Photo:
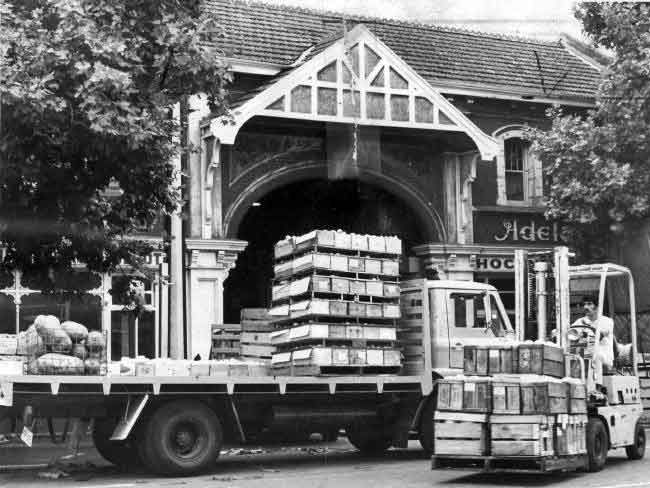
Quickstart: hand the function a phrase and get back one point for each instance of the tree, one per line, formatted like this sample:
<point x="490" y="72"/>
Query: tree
<point x="598" y="165"/>
<point x="86" y="91"/>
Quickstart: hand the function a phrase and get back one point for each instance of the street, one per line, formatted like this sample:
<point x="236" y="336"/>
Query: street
<point x="319" y="465"/>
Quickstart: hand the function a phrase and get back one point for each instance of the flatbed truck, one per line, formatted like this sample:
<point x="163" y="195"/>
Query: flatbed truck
<point x="177" y="425"/>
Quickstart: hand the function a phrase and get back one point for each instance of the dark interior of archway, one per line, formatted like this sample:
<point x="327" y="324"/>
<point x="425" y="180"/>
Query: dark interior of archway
<point x="299" y="208"/>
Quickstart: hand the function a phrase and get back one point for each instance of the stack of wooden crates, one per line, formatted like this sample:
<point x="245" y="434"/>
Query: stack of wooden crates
<point x="513" y="401"/>
<point x="256" y="328"/>
<point x="336" y="304"/>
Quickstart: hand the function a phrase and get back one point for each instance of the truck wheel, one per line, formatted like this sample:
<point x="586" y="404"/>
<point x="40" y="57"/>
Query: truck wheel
<point x="370" y="439"/>
<point x="119" y="453"/>
<point x="637" y="450"/>
<point x="181" y="438"/>
<point x="597" y="444"/>
<point x="426" y="426"/>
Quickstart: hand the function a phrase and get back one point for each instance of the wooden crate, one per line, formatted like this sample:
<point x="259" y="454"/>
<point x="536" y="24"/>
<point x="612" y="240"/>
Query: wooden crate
<point x="225" y="341"/>
<point x="544" y="397"/>
<point x="315" y="238"/>
<point x="284" y="247"/>
<point x="537" y="358"/>
<point x="475" y="360"/>
<point x="357" y="309"/>
<point x="570" y="434"/>
<point x="340" y="285"/>
<point x="577" y="397"/>
<point x="256" y="320"/>
<point x="261" y="351"/>
<point x="477" y="395"/>
<point x="460" y="433"/>
<point x="521" y="435"/>
<point x="506" y="396"/>
<point x="450" y="394"/>
<point x="465" y="394"/>
<point x="500" y="360"/>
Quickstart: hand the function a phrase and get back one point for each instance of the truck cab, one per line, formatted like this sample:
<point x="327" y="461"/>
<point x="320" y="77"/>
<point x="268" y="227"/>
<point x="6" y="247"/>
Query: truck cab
<point x="452" y="314"/>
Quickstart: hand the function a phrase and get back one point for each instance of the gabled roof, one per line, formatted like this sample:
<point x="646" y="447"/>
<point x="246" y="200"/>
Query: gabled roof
<point x="353" y="78"/>
<point x="443" y="56"/>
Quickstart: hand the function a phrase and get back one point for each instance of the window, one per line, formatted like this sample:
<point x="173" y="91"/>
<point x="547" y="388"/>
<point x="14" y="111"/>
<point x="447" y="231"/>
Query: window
<point x="515" y="166"/>
<point x="519" y="174"/>
<point x="468" y="310"/>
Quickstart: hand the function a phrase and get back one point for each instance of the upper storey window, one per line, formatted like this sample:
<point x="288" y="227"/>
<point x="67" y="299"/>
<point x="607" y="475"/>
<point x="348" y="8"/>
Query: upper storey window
<point x="519" y="174"/>
<point x="515" y="160"/>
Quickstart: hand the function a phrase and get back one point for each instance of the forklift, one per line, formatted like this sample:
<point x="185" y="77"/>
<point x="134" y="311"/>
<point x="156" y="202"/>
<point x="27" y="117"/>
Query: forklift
<point x="548" y="295"/>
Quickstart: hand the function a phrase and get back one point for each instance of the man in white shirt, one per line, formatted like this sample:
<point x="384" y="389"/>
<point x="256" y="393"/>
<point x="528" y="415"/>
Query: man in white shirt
<point x="604" y="328"/>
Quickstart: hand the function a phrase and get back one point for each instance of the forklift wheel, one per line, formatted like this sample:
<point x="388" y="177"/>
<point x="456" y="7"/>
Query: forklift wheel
<point x="597" y="444"/>
<point x="637" y="450"/>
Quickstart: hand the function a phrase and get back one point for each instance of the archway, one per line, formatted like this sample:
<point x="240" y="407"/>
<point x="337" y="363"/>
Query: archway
<point x="300" y="207"/>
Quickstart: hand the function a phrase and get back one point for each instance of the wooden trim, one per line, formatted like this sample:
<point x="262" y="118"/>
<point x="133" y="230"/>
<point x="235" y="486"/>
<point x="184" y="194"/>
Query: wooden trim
<point x="306" y="74"/>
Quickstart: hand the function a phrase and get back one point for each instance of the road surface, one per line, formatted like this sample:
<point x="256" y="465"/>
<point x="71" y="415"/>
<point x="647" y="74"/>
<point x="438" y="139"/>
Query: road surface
<point x="333" y="465"/>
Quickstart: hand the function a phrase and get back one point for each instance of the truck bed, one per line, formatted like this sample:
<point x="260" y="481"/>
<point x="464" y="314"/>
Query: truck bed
<point x="230" y="385"/>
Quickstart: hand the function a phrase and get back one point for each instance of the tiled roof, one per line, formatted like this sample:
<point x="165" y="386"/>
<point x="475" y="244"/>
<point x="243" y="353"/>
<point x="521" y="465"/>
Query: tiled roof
<point x="441" y="55"/>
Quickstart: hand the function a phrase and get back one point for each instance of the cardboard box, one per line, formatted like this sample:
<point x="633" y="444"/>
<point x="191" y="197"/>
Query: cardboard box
<point x="145" y="369"/>
<point x="339" y="263"/>
<point x="8" y="344"/>
<point x="376" y="244"/>
<point x="341" y="285"/>
<point x="375" y="357"/>
<point x="374" y="310"/>
<point x="390" y="267"/>
<point x="12" y="367"/>
<point x="218" y="368"/>
<point x="373" y="266"/>
<point x="357" y="287"/>
<point x="359" y="242"/>
<point x="375" y="288"/>
<point x="200" y="368"/>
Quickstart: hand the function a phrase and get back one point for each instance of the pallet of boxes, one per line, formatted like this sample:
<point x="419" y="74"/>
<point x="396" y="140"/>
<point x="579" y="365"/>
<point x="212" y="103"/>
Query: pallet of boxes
<point x="512" y="409"/>
<point x="336" y="304"/>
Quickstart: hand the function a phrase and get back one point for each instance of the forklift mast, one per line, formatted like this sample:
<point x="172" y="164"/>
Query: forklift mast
<point x="542" y="296"/>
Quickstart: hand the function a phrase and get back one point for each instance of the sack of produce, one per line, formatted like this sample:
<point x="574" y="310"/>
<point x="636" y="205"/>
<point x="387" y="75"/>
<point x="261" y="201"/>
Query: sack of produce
<point x="75" y="331"/>
<point x="57" y="364"/>
<point x="30" y="343"/>
<point x="95" y="343"/>
<point x="92" y="366"/>
<point x="80" y="351"/>
<point x="46" y="324"/>
<point x="58" y="341"/>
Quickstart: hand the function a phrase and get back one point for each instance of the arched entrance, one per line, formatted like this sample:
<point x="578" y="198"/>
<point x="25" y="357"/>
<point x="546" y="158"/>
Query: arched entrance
<point x="300" y="207"/>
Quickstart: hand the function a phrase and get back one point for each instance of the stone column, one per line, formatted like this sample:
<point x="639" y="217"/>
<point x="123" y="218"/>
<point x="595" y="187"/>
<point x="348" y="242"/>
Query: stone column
<point x="208" y="263"/>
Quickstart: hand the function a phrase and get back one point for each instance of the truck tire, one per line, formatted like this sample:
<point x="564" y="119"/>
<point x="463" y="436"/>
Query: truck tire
<point x="597" y="444"/>
<point x="369" y="438"/>
<point x="180" y="438"/>
<point x="119" y="453"/>
<point x="636" y="451"/>
<point x="425" y="431"/>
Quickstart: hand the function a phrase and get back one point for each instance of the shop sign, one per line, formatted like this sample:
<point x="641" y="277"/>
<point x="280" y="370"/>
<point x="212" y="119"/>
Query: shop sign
<point x="508" y="229"/>
<point x="495" y="263"/>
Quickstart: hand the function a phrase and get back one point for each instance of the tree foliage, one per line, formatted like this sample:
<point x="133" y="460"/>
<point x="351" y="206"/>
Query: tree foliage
<point x="598" y="165"/>
<point x="86" y="91"/>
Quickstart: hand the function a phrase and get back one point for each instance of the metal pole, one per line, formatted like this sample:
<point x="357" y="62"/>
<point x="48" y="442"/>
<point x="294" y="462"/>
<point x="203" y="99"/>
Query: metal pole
<point x="562" y="294"/>
<point x="176" y="322"/>
<point x="520" y="294"/>
<point x="541" y="268"/>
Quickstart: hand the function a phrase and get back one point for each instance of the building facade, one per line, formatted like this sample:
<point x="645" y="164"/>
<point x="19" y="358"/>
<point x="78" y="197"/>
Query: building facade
<point x="371" y="126"/>
<point x="367" y="125"/>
